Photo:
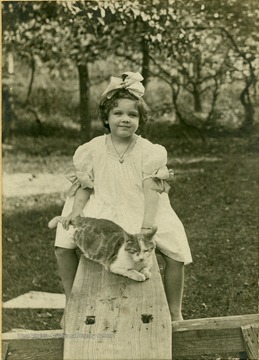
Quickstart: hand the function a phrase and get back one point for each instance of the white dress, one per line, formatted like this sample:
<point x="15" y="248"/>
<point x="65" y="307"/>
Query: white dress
<point x="118" y="193"/>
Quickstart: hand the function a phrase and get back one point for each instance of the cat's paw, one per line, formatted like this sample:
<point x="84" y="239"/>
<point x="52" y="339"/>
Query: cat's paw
<point x="137" y="276"/>
<point x="146" y="273"/>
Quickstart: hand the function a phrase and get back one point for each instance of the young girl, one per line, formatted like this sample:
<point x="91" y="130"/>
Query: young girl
<point x="120" y="177"/>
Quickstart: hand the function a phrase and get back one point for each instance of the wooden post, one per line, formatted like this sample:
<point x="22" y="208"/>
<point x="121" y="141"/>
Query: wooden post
<point x="250" y="337"/>
<point x="110" y="316"/>
<point x="214" y="335"/>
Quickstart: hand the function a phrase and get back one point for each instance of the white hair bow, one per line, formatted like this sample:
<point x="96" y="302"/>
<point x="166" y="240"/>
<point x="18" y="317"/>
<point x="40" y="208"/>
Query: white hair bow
<point x="129" y="80"/>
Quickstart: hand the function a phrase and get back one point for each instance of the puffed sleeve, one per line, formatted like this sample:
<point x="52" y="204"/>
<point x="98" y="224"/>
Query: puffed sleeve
<point x="155" y="167"/>
<point x="81" y="173"/>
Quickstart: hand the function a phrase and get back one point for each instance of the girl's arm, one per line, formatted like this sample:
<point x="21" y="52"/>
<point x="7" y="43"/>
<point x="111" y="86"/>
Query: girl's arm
<point x="150" y="207"/>
<point x="81" y="198"/>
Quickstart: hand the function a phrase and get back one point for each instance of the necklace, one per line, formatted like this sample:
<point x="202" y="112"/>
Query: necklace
<point x="121" y="157"/>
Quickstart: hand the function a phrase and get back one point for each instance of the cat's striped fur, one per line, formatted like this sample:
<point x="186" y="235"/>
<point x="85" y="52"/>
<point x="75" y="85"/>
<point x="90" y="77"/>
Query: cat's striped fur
<point x="107" y="243"/>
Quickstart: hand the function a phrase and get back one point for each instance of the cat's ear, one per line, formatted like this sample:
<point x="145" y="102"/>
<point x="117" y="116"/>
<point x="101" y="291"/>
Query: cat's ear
<point x="151" y="232"/>
<point x="127" y="237"/>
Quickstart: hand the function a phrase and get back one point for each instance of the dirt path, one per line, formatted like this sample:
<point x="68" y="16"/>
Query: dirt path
<point x="25" y="184"/>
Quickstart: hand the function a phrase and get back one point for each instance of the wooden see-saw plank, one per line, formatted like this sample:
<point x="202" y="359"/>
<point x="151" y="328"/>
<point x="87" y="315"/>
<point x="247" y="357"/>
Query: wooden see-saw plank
<point x="119" y="308"/>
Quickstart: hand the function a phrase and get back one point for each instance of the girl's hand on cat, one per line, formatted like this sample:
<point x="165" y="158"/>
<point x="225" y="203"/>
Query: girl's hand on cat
<point x="66" y="220"/>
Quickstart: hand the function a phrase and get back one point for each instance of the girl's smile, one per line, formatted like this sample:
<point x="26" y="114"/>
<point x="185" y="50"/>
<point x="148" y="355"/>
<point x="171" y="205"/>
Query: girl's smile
<point x="123" y="119"/>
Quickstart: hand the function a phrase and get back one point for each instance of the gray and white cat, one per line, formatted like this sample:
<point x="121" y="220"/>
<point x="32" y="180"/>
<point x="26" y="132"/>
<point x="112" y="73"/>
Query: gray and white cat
<point x="107" y="243"/>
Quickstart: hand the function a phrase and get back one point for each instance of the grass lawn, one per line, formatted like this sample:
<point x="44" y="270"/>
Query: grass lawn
<point x="214" y="193"/>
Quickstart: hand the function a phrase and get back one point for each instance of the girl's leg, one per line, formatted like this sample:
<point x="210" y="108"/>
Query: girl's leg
<point x="174" y="282"/>
<point x="67" y="260"/>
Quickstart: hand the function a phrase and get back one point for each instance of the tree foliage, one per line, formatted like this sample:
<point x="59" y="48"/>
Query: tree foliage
<point x="194" y="46"/>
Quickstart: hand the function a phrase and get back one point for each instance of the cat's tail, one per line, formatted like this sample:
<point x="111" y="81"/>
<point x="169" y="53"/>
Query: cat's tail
<point x="54" y="222"/>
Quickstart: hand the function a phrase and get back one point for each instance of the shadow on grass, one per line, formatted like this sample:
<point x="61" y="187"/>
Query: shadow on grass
<point x="31" y="319"/>
<point x="29" y="262"/>
<point x="28" y="245"/>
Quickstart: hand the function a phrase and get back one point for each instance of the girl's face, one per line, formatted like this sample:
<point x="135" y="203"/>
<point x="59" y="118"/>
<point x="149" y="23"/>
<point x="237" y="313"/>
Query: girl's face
<point x="123" y="119"/>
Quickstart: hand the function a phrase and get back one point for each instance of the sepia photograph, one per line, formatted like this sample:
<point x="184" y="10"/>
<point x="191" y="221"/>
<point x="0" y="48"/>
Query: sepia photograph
<point x="130" y="141"/>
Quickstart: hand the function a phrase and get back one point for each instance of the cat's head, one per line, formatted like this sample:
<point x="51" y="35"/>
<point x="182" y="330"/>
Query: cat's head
<point x="140" y="246"/>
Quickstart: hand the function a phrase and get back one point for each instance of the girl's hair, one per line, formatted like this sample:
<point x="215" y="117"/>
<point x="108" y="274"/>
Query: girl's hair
<point x="107" y="104"/>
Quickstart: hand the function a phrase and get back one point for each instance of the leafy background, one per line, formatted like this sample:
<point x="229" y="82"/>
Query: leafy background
<point x="198" y="52"/>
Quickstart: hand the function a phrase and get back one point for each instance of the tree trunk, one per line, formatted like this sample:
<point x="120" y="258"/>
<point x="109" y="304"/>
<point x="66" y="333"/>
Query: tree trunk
<point x="246" y="101"/>
<point x="197" y="99"/>
<point x="175" y="93"/>
<point x="215" y="93"/>
<point x="7" y="112"/>
<point x="196" y="86"/>
<point x="33" y="68"/>
<point x="10" y="63"/>
<point x="84" y="88"/>
<point x="188" y="129"/>
<point x="8" y="115"/>
<point x="145" y="61"/>
<point x="250" y="81"/>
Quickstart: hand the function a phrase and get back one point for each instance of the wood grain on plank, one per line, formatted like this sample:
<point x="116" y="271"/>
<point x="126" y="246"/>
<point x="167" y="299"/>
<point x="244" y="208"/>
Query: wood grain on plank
<point x="118" y="306"/>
